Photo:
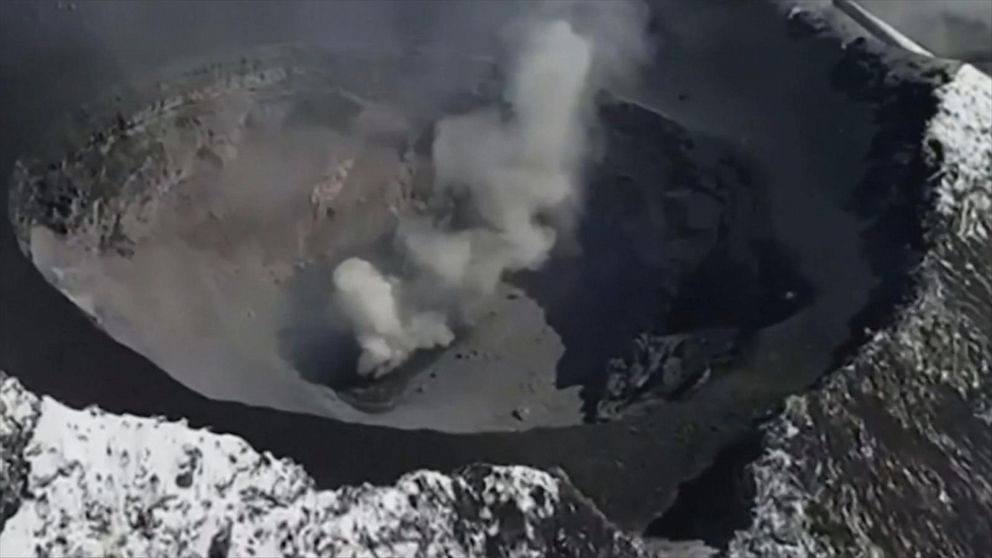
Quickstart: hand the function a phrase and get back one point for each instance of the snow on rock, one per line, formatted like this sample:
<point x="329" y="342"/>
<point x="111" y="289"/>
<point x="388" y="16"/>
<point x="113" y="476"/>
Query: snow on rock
<point x="962" y="127"/>
<point x="18" y="416"/>
<point x="89" y="483"/>
<point x="893" y="455"/>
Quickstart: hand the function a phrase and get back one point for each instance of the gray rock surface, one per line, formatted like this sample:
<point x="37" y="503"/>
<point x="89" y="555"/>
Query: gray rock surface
<point x="893" y="455"/>
<point x="89" y="483"/>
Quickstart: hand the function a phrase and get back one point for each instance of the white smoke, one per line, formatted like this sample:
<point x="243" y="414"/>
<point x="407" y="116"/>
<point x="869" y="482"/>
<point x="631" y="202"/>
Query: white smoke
<point x="372" y="303"/>
<point x="510" y="174"/>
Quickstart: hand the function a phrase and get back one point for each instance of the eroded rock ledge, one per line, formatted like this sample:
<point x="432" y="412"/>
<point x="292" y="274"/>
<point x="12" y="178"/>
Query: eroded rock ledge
<point x="89" y="483"/>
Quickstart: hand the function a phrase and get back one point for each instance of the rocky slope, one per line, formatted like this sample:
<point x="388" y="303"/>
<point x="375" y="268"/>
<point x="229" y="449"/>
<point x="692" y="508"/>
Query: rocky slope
<point x="89" y="483"/>
<point x="892" y="456"/>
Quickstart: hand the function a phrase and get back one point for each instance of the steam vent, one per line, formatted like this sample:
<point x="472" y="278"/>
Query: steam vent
<point x="650" y="279"/>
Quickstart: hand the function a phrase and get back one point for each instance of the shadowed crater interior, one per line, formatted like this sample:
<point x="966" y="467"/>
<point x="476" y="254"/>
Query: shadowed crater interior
<point x="203" y="229"/>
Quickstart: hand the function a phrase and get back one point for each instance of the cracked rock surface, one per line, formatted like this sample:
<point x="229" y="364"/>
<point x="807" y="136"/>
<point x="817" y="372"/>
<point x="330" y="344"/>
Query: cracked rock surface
<point x="89" y="483"/>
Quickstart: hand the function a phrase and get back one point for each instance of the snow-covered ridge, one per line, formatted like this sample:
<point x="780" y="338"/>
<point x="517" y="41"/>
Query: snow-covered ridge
<point x="89" y="483"/>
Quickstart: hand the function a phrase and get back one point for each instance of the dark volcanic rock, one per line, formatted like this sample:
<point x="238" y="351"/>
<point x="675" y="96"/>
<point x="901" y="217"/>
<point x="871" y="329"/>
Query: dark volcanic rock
<point x="660" y="366"/>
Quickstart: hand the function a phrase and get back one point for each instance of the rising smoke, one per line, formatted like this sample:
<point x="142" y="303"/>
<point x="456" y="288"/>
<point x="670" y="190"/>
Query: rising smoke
<point x="509" y="173"/>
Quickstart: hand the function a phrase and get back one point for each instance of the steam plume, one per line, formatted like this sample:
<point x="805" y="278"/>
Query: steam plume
<point x="509" y="175"/>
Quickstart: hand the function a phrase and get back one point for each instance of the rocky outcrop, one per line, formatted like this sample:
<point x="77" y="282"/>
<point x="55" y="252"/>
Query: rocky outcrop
<point x="892" y="456"/>
<point x="89" y="483"/>
<point x="661" y="366"/>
